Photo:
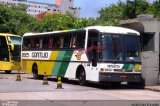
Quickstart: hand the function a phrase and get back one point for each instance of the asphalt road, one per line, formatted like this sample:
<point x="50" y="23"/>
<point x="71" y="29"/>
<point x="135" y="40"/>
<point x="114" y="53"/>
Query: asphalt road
<point x="33" y="92"/>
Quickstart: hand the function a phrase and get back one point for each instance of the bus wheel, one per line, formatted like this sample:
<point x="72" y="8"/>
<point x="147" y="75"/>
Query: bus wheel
<point x="8" y="72"/>
<point x="35" y="72"/>
<point x="82" y="77"/>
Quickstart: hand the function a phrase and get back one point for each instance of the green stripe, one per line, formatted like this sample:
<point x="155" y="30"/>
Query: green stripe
<point x="57" y="65"/>
<point x="60" y="68"/>
<point x="64" y="65"/>
<point x="126" y="66"/>
<point x="131" y="67"/>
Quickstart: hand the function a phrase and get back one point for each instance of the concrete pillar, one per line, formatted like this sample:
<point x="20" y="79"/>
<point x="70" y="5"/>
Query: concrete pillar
<point x="150" y="67"/>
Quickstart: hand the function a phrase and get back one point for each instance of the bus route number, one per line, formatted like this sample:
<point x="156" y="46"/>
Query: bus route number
<point x="113" y="66"/>
<point x="25" y="54"/>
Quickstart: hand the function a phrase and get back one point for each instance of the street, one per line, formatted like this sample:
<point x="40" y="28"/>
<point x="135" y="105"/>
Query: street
<point x="30" y="89"/>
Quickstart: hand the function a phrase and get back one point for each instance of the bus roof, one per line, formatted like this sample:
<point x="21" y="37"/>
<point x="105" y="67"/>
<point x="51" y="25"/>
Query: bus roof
<point x="103" y="29"/>
<point x="114" y="29"/>
<point x="8" y="34"/>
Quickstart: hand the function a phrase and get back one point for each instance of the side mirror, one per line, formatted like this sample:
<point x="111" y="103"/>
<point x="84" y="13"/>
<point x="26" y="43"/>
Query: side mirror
<point x="11" y="47"/>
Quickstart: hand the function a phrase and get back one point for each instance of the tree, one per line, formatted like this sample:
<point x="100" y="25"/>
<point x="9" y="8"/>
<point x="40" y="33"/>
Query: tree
<point x="111" y="15"/>
<point x="134" y="8"/>
<point x="56" y="21"/>
<point x="155" y="9"/>
<point x="16" y="21"/>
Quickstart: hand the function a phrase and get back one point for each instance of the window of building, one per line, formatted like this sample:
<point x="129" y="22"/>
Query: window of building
<point x="147" y="40"/>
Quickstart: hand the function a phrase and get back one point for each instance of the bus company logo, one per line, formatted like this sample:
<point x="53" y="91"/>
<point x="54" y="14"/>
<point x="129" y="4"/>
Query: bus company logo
<point x="78" y="56"/>
<point x="39" y="54"/>
<point x="113" y="66"/>
<point x="25" y="54"/>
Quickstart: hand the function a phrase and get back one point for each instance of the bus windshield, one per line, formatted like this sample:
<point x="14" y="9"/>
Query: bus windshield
<point x="14" y="40"/>
<point x="120" y="48"/>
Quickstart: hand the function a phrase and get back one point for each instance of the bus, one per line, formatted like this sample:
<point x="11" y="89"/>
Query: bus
<point x="96" y="53"/>
<point x="10" y="48"/>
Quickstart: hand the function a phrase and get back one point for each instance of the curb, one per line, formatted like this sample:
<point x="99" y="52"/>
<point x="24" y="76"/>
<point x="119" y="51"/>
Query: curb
<point x="153" y="88"/>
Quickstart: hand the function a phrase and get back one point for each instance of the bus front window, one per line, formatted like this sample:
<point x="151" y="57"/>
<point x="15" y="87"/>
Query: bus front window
<point x="16" y="41"/>
<point x="132" y="48"/>
<point x="120" y="48"/>
<point x="112" y="47"/>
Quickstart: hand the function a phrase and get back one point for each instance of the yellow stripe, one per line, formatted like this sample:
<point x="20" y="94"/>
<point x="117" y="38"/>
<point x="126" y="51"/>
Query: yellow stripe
<point x="137" y="67"/>
<point x="54" y="55"/>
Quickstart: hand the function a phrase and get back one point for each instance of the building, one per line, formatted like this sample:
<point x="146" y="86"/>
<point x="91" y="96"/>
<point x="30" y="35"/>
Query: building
<point x="36" y="8"/>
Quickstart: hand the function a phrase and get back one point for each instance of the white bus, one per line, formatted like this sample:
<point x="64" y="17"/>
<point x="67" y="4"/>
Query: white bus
<point x="96" y="53"/>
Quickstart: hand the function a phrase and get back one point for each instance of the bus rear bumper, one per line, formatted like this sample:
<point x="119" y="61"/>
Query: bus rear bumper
<point x="120" y="77"/>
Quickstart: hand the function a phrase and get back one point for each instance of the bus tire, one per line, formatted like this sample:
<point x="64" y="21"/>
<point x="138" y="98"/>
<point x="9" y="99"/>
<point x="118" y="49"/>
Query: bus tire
<point x="35" y="72"/>
<point x="8" y="72"/>
<point x="82" y="77"/>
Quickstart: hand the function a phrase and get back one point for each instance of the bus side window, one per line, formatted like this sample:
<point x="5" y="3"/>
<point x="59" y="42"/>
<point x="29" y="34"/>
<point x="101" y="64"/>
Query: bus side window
<point x="51" y="42"/>
<point x="26" y="43"/>
<point x="32" y="45"/>
<point x="73" y="41"/>
<point x="41" y="43"/>
<point x="67" y="39"/>
<point x="80" y="41"/>
<point x="45" y="42"/>
<point x="36" y="43"/>
<point x="61" y="41"/>
<point x="56" y="42"/>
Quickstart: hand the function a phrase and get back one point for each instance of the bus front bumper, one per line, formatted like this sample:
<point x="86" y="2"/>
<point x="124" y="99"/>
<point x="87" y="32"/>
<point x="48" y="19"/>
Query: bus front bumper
<point x="120" y="77"/>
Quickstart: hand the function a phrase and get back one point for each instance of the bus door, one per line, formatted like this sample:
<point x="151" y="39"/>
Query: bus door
<point x="92" y="54"/>
<point x="92" y="46"/>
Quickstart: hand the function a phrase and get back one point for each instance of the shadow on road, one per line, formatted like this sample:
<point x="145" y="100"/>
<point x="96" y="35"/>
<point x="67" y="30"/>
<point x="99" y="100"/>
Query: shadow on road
<point x="15" y="72"/>
<point x="105" y="86"/>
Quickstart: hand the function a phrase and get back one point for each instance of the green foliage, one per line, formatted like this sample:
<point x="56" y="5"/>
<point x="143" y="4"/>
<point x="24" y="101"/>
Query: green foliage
<point x="134" y="8"/>
<point x="63" y="22"/>
<point x="111" y="15"/>
<point x="56" y="22"/>
<point x="13" y="20"/>
<point x="155" y="9"/>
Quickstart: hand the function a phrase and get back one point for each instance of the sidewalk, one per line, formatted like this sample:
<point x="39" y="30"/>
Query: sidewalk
<point x="154" y="88"/>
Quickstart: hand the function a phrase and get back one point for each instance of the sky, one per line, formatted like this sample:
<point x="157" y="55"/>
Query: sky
<point x="89" y="8"/>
